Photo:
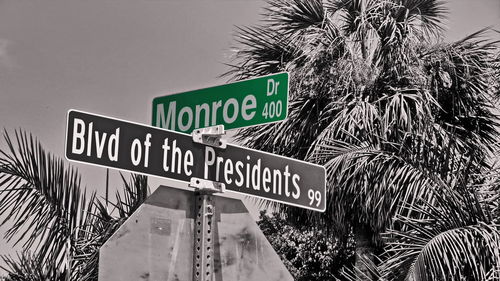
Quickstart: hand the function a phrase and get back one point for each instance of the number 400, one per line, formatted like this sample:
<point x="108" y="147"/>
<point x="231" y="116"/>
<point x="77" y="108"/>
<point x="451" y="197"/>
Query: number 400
<point x="272" y="109"/>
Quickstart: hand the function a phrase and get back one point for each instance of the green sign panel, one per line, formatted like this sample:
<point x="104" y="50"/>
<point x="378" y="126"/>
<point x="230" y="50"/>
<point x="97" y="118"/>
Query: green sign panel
<point x="236" y="105"/>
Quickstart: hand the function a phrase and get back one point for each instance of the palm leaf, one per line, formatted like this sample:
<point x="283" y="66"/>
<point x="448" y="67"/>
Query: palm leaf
<point x="104" y="224"/>
<point x="462" y="77"/>
<point x="294" y="15"/>
<point x="42" y="197"/>
<point x="135" y="193"/>
<point x="426" y="15"/>
<point x="261" y="52"/>
<point x="28" y="267"/>
<point x="370" y="272"/>
<point x="455" y="240"/>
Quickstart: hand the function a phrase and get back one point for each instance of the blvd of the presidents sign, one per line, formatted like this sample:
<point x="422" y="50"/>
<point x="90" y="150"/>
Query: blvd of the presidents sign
<point x="163" y="153"/>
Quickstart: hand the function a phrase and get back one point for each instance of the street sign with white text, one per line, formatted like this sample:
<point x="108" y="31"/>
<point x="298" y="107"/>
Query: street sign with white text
<point x="158" y="152"/>
<point x="235" y="105"/>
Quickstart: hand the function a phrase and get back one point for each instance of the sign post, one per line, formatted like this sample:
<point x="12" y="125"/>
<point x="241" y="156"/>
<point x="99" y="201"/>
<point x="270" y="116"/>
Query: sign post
<point x="235" y="105"/>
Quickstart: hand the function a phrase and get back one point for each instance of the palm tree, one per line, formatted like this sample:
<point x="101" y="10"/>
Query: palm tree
<point x="456" y="241"/>
<point x="454" y="237"/>
<point x="46" y="209"/>
<point x="392" y="113"/>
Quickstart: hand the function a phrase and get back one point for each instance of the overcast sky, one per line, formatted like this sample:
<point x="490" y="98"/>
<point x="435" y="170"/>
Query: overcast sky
<point x="112" y="57"/>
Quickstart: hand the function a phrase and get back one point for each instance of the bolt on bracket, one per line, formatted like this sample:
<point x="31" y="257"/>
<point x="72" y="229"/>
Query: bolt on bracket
<point x="207" y="186"/>
<point x="211" y="136"/>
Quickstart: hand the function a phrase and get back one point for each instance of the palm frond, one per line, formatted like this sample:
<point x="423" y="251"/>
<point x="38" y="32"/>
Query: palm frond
<point x="30" y="267"/>
<point x="462" y="79"/>
<point x="105" y="223"/>
<point x="261" y="52"/>
<point x="371" y="272"/>
<point x="42" y="197"/>
<point x="488" y="186"/>
<point x="452" y="239"/>
<point x="429" y="14"/>
<point x="292" y="16"/>
<point x="350" y="12"/>
<point x="369" y="178"/>
<point x="135" y="193"/>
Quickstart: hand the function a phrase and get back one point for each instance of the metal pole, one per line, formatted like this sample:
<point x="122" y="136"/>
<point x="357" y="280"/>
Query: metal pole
<point x="203" y="237"/>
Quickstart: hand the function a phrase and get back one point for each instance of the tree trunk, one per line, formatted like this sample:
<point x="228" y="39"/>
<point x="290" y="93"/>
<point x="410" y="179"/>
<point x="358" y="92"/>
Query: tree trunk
<point x="366" y="250"/>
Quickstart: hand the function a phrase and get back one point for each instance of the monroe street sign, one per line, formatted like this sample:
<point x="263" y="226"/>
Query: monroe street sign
<point x="240" y="104"/>
<point x="153" y="151"/>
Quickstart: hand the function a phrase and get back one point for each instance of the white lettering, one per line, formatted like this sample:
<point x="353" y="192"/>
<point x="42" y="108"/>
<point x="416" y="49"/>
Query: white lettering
<point x="217" y="168"/>
<point x="215" y="106"/>
<point x="78" y="137"/>
<point x="295" y="179"/>
<point x="270" y="87"/>
<point x="225" y="110"/>
<point x="249" y="103"/>
<point x="147" y="144"/>
<point x="185" y="126"/>
<point x="266" y="178"/>
<point x="206" y="108"/>
<point x="114" y="139"/>
<point x="188" y="162"/>
<point x="136" y="152"/>
<point x="89" y="138"/>
<point x="166" y="148"/>
<point x="256" y="176"/>
<point x="239" y="166"/>
<point x="209" y="159"/>
<point x="287" y="175"/>
<point x="277" y="182"/>
<point x="176" y="153"/>
<point x="228" y="170"/>
<point x="100" y="143"/>
<point x="169" y="122"/>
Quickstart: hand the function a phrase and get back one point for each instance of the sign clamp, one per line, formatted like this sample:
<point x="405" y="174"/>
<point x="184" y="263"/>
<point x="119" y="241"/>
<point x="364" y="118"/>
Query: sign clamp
<point x="203" y="246"/>
<point x="211" y="136"/>
<point x="206" y="186"/>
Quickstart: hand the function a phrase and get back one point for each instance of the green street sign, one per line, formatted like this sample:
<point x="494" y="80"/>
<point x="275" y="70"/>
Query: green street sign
<point x="236" y="105"/>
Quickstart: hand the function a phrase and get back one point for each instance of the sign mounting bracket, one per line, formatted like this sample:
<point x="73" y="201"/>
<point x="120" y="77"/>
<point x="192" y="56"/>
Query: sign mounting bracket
<point x="207" y="186"/>
<point x="211" y="136"/>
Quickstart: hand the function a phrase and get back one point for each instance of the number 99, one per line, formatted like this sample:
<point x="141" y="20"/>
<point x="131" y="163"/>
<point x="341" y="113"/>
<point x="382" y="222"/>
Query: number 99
<point x="314" y="196"/>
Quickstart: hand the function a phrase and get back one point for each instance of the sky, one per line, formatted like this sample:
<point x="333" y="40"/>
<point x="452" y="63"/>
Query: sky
<point x="112" y="57"/>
